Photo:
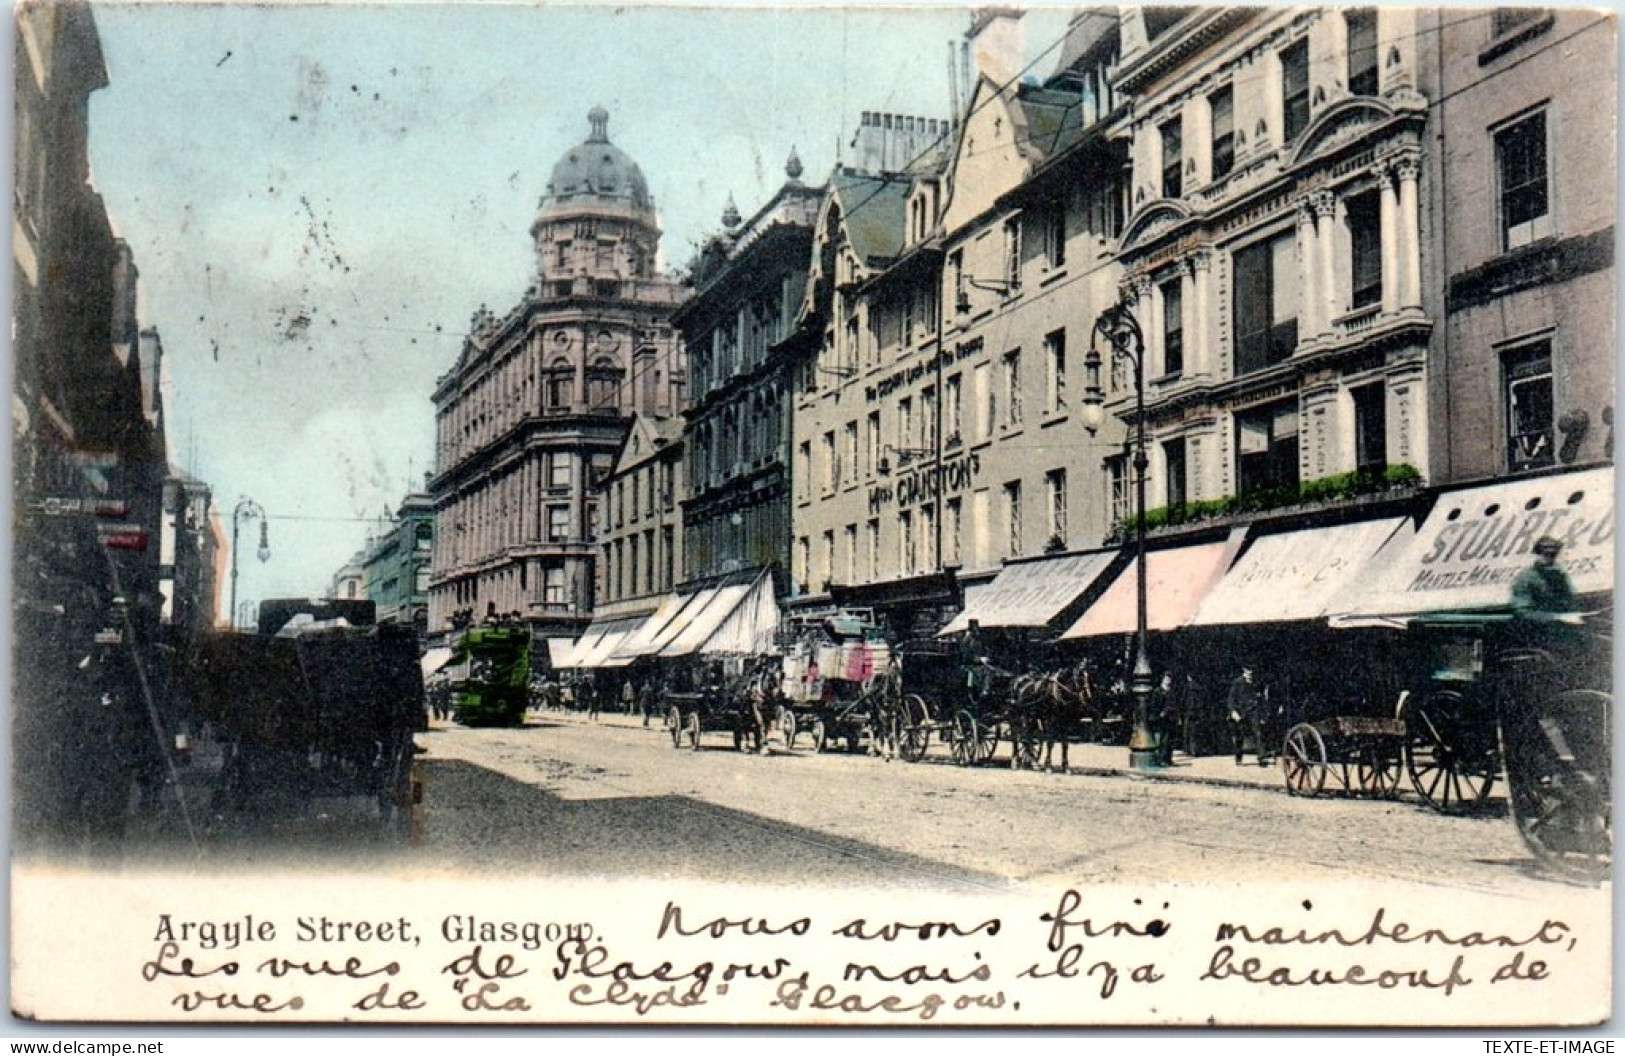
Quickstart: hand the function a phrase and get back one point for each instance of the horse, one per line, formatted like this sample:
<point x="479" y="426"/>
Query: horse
<point x="1044" y="707"/>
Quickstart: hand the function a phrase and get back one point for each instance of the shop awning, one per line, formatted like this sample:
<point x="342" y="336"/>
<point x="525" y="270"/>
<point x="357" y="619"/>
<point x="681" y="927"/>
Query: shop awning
<point x="561" y="652"/>
<point x="1177" y="581"/>
<point x="433" y="660"/>
<point x="703" y="616"/>
<point x="600" y="639"/>
<point x="751" y="628"/>
<point x="1295" y="575"/>
<point x="1476" y="541"/>
<point x="655" y="630"/>
<point x="1031" y="593"/>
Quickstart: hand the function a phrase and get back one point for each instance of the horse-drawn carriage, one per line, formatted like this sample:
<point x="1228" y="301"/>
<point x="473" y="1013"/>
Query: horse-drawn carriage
<point x="840" y="685"/>
<point x="706" y="697"/>
<point x="328" y="712"/>
<point x="1488" y="696"/>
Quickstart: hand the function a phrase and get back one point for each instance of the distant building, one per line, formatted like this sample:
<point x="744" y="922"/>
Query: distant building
<point x="347" y="583"/>
<point x="738" y="326"/>
<point x="395" y="571"/>
<point x="187" y="555"/>
<point x="532" y="414"/>
<point x="643" y="525"/>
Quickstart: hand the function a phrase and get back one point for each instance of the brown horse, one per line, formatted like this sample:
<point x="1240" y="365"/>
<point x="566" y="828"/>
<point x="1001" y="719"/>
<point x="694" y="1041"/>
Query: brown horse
<point x="1044" y="707"/>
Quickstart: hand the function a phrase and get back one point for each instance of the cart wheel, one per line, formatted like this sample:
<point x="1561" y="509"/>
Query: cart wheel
<point x="1376" y="771"/>
<point x="1450" y="753"/>
<point x="820" y="736"/>
<point x="962" y="739"/>
<point x="969" y="740"/>
<point x="674" y="726"/>
<point x="787" y="728"/>
<point x="1026" y="742"/>
<point x="1562" y="808"/>
<point x="1303" y="760"/>
<point x="914" y="731"/>
<point x="987" y="740"/>
<point x="691" y="727"/>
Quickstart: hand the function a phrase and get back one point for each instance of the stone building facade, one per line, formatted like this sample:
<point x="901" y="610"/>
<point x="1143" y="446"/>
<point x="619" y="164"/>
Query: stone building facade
<point x="937" y="431"/>
<point x="737" y="326"/>
<point x="531" y="416"/>
<point x="395" y="571"/>
<point x="1273" y="253"/>
<point x="1524" y="211"/>
<point x="643" y="532"/>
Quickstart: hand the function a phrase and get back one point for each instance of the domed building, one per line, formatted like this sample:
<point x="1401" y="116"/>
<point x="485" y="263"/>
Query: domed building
<point x="531" y="415"/>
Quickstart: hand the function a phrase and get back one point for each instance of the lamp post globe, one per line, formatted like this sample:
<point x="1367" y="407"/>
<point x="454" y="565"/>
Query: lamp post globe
<point x="246" y="510"/>
<point x="1123" y="336"/>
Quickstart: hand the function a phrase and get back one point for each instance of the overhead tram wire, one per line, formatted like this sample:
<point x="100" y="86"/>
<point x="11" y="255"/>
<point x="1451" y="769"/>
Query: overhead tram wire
<point x="888" y="178"/>
<point x="1250" y="81"/>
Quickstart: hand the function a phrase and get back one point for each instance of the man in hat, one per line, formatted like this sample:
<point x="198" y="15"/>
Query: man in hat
<point x="1249" y="710"/>
<point x="1542" y="593"/>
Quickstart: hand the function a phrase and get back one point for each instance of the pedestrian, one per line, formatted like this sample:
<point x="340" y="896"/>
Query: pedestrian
<point x="628" y="697"/>
<point x="1249" y="703"/>
<point x="1165" y="718"/>
<point x="645" y="703"/>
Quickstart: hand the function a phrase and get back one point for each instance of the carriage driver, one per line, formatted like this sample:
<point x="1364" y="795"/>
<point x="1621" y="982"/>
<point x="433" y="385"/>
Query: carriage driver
<point x="1542" y="593"/>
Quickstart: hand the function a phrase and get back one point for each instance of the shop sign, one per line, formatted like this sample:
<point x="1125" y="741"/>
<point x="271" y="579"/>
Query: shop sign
<point x="921" y="485"/>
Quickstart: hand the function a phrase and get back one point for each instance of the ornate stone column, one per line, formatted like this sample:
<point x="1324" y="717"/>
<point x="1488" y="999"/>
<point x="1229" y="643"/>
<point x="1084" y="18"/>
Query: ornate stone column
<point x="1198" y="356"/>
<point x="1325" y="207"/>
<point x="1309" y="257"/>
<point x="1388" y="212"/>
<point x="1410" y="251"/>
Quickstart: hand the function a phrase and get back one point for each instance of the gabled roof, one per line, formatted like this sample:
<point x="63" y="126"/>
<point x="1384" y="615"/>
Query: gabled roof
<point x="647" y="434"/>
<point x="1054" y="122"/>
<point x="873" y="211"/>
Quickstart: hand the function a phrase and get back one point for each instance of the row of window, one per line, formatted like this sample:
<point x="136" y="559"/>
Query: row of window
<point x="650" y="491"/>
<point x="917" y="540"/>
<point x="634" y="567"/>
<point x="1362" y="76"/>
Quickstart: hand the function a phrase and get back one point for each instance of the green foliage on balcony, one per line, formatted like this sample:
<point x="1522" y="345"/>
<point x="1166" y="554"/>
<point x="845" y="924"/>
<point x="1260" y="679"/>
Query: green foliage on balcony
<point x="1323" y="491"/>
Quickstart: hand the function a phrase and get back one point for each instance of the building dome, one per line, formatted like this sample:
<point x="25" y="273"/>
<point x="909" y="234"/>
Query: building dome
<point x="597" y="170"/>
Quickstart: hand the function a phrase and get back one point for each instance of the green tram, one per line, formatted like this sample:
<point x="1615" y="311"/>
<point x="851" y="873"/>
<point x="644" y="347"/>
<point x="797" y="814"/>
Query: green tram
<point x="490" y="676"/>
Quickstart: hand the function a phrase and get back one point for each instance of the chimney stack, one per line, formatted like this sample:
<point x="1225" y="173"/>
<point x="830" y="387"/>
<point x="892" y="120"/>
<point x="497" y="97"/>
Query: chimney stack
<point x="996" y="41"/>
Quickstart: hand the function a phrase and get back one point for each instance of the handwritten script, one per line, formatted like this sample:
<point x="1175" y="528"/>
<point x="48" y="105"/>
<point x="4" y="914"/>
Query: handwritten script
<point x="1082" y="958"/>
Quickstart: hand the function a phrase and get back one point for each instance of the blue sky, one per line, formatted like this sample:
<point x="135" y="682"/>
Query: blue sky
<point x="318" y="197"/>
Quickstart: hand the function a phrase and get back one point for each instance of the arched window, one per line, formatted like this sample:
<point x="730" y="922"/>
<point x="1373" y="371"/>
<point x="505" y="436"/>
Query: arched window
<point x="561" y="385"/>
<point x="603" y="385"/>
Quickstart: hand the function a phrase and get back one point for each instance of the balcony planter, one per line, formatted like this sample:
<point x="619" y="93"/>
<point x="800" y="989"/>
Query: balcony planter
<point x="1341" y="489"/>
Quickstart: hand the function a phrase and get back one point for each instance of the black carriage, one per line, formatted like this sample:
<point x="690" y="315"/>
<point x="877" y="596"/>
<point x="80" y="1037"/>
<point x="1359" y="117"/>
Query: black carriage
<point x="1489" y="696"/>
<point x="1530" y="700"/>
<point x="706" y="699"/>
<point x="961" y="694"/>
<point x="326" y="713"/>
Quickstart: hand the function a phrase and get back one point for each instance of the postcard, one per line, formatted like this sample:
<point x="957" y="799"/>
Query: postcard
<point x="812" y="515"/>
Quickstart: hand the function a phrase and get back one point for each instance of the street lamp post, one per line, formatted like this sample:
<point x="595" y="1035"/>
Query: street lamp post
<point x="1122" y="333"/>
<point x="247" y="510"/>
